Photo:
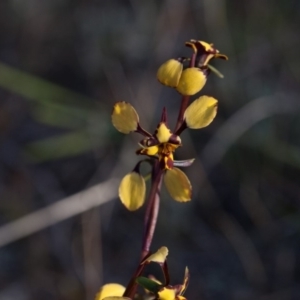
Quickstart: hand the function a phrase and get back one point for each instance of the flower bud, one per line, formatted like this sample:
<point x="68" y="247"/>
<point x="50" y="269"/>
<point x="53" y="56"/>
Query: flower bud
<point x="169" y="72"/>
<point x="191" y="81"/>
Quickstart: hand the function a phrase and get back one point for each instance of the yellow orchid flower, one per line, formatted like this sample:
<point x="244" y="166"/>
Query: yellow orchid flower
<point x="165" y="291"/>
<point x="188" y="76"/>
<point x="205" y="52"/>
<point x="161" y="146"/>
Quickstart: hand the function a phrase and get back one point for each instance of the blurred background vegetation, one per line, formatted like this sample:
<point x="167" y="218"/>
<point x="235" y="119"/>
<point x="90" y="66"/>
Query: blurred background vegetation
<point x="64" y="63"/>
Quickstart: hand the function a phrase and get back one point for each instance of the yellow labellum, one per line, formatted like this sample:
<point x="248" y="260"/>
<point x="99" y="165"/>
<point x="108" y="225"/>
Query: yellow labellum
<point x="178" y="185"/>
<point x="124" y="117"/>
<point x="159" y="256"/>
<point x="150" y="150"/>
<point x="110" y="290"/>
<point x="191" y="81"/>
<point x="169" y="72"/>
<point x="166" y="294"/>
<point x="201" y="112"/>
<point x="132" y="191"/>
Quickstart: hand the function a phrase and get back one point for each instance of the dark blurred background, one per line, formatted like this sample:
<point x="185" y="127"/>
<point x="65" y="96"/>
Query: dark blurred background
<point x="64" y="63"/>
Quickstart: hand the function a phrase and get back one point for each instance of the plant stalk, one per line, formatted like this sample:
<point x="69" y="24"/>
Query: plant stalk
<point x="185" y="99"/>
<point x="149" y="226"/>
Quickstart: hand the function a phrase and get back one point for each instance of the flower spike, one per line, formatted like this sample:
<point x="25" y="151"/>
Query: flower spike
<point x="187" y="75"/>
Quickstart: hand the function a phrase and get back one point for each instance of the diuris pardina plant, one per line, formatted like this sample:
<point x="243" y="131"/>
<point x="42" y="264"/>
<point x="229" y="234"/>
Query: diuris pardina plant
<point x="187" y="75"/>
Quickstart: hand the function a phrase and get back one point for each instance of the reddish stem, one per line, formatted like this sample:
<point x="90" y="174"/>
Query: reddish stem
<point x="185" y="99"/>
<point x="132" y="285"/>
<point x="150" y="224"/>
<point x="183" y="106"/>
<point x="152" y="212"/>
<point x="154" y="199"/>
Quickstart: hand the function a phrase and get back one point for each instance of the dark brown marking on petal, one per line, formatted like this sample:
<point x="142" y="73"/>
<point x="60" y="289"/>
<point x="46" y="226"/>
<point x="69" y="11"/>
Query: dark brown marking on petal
<point x="202" y="49"/>
<point x="169" y="162"/>
<point x="183" y="59"/>
<point x="174" y="139"/>
<point x="148" y="142"/>
<point x="139" y="151"/>
<point x="152" y="142"/>
<point x="205" y="70"/>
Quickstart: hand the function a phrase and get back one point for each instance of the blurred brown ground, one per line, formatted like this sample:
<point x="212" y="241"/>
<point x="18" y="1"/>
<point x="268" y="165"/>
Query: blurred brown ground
<point x="64" y="63"/>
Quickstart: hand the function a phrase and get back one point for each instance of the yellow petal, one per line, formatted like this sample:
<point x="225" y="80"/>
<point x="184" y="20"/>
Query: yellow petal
<point x="192" y="45"/>
<point x="166" y="294"/>
<point x="163" y="133"/>
<point x="191" y="81"/>
<point x="116" y="298"/>
<point x="110" y="289"/>
<point x="151" y="151"/>
<point x="178" y="185"/>
<point x="159" y="256"/>
<point x="222" y="56"/>
<point x="124" y="117"/>
<point x="201" y="112"/>
<point x="169" y="72"/>
<point x="132" y="191"/>
<point x="207" y="46"/>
